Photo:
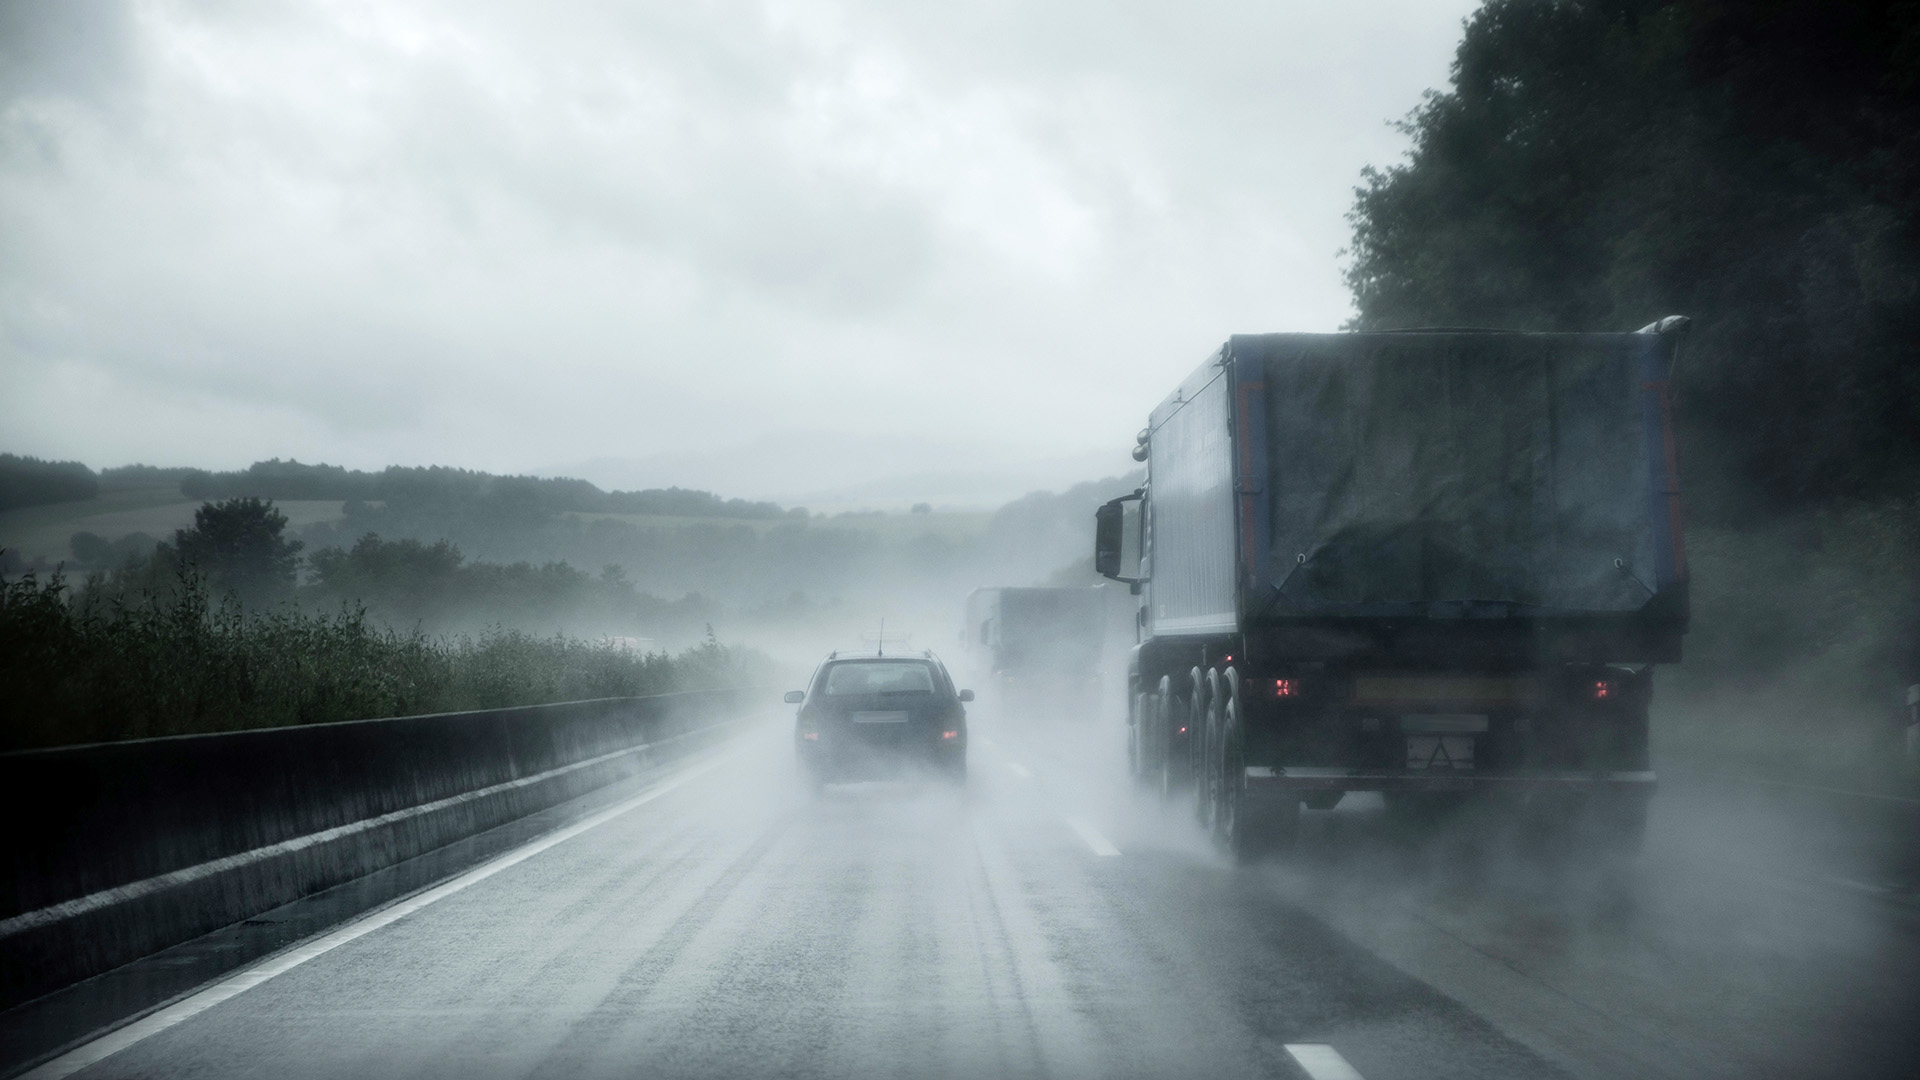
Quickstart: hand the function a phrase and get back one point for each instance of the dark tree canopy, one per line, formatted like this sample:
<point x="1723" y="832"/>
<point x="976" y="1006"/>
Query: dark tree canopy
<point x="238" y="545"/>
<point x="29" y="481"/>
<point x="443" y="489"/>
<point x="1754" y="164"/>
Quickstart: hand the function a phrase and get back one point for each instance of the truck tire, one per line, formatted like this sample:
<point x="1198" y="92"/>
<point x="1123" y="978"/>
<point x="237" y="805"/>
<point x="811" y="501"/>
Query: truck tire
<point x="1206" y="780"/>
<point x="1175" y="770"/>
<point x="1197" y="744"/>
<point x="1250" y="827"/>
<point x="1139" y="738"/>
<point x="1223" y="737"/>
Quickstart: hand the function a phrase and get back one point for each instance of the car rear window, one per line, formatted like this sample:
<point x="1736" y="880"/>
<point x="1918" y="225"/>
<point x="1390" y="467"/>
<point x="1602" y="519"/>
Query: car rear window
<point x="879" y="677"/>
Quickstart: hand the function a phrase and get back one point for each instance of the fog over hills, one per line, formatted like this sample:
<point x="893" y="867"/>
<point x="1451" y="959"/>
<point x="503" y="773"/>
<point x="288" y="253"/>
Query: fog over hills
<point x="835" y="471"/>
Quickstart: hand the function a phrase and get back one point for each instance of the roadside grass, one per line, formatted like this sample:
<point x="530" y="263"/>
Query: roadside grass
<point x="179" y="661"/>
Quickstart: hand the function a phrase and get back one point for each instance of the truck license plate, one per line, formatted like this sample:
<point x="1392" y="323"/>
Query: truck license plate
<point x="1440" y="752"/>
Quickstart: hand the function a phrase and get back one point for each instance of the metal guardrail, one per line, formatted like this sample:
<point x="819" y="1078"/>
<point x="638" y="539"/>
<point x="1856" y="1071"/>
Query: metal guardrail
<point x="119" y="850"/>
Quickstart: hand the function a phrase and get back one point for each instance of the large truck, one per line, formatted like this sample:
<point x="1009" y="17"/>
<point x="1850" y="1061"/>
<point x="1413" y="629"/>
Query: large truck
<point x="1434" y="564"/>
<point x="1038" y="649"/>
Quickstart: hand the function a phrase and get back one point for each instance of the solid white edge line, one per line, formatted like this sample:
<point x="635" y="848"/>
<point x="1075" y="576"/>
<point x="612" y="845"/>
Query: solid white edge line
<point x="1101" y="845"/>
<point x="1322" y="1062"/>
<point x="97" y="1050"/>
<point x="1020" y="770"/>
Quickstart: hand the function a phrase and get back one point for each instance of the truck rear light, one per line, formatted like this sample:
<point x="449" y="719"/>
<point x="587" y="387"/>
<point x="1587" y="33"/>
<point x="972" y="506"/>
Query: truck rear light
<point x="1602" y="690"/>
<point x="1183" y="729"/>
<point x="810" y="736"/>
<point x="1283" y="688"/>
<point x="949" y="735"/>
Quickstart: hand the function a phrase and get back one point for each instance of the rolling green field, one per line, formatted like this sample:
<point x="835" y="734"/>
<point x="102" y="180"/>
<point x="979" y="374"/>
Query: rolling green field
<point x="42" y="532"/>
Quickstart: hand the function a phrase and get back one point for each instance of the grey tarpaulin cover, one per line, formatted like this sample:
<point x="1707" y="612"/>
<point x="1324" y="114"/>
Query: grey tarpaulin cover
<point x="1490" y="473"/>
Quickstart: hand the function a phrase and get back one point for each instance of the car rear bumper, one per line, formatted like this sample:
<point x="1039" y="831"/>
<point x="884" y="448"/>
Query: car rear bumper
<point x="854" y="758"/>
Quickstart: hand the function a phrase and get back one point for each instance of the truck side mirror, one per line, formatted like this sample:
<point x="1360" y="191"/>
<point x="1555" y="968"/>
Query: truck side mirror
<point x="1107" y="522"/>
<point x="1110" y="540"/>
<point x="795" y="697"/>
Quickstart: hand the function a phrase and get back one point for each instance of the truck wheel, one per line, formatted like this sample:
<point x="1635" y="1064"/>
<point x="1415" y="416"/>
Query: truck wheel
<point x="1176" y="772"/>
<point x="1196" y="740"/>
<point x="1206" y="770"/>
<point x="1138" y="766"/>
<point x="1250" y="827"/>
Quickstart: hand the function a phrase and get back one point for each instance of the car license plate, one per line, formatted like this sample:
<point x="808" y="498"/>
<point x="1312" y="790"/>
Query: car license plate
<point x="880" y="717"/>
<point x="1440" y="753"/>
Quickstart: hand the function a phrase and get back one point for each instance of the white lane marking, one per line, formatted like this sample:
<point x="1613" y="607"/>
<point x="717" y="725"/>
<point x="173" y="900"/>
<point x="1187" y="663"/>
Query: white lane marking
<point x="1020" y="770"/>
<point x="1322" y="1062"/>
<point x="233" y="986"/>
<point x="1101" y="845"/>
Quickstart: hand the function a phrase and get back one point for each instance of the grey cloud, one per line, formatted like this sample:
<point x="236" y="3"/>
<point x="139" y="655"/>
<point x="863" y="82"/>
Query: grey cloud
<point x="510" y="235"/>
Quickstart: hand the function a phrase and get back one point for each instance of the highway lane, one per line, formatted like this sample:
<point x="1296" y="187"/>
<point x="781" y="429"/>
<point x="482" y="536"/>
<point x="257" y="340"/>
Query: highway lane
<point x="1049" y="922"/>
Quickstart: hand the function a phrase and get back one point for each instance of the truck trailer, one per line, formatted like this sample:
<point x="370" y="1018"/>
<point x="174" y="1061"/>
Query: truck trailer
<point x="1436" y="564"/>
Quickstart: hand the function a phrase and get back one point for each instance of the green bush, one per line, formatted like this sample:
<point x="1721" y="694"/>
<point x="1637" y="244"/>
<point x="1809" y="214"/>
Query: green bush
<point x="173" y="661"/>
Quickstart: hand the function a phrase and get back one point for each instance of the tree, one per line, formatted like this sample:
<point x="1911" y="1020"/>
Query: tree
<point x="1755" y="165"/>
<point x="238" y="545"/>
<point x="29" y="481"/>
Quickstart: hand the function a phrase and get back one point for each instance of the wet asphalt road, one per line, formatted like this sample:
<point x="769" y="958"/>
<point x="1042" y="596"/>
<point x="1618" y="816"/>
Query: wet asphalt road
<point x="1046" y="921"/>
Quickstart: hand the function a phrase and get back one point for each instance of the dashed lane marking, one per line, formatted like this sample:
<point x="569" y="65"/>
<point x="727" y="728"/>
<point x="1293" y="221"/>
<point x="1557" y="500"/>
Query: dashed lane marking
<point x="233" y="986"/>
<point x="1020" y="770"/>
<point x="1101" y="845"/>
<point x="1322" y="1062"/>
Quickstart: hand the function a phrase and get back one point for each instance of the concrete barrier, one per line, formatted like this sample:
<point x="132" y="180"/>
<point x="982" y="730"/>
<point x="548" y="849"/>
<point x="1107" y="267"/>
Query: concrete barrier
<point x="118" y="850"/>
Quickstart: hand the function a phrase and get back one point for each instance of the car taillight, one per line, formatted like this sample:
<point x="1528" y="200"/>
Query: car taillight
<point x="1284" y="688"/>
<point x="810" y="736"/>
<point x="1602" y="690"/>
<point x="949" y="734"/>
<point x="1183" y="729"/>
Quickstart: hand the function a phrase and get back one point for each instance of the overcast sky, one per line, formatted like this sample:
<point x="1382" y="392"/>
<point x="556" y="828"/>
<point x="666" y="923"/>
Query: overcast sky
<point x="775" y="248"/>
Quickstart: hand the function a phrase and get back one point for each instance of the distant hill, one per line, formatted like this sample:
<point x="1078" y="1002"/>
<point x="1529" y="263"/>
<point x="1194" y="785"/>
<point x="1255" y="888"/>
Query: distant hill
<point x="278" y="479"/>
<point x="29" y="481"/>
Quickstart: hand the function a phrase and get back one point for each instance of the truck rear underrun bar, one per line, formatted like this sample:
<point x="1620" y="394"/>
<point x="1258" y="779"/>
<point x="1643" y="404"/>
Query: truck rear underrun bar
<point x="1263" y="778"/>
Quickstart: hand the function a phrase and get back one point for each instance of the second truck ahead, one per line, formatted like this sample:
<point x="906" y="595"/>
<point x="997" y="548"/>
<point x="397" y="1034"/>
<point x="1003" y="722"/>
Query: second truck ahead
<point x="1425" y="563"/>
<point x="1038" y="648"/>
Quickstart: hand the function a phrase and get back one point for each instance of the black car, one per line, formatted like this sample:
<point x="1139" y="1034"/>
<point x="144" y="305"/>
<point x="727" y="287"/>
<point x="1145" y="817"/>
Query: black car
<point x="870" y="717"/>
